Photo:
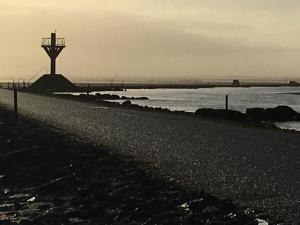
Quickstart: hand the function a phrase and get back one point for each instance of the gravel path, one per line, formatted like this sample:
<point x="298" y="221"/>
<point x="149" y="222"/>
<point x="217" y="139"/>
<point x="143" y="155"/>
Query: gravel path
<point x="74" y="183"/>
<point x="254" y="167"/>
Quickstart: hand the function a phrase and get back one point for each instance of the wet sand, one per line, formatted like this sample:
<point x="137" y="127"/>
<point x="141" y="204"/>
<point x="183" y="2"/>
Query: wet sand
<point x="48" y="178"/>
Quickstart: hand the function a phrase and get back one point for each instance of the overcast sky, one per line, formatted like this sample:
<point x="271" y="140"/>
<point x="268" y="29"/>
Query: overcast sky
<point x="153" y="39"/>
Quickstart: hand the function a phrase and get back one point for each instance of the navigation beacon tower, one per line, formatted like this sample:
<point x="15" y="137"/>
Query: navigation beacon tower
<point x="53" y="47"/>
<point x="53" y="82"/>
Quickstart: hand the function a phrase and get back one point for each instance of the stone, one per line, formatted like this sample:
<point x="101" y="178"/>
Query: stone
<point x="126" y="103"/>
<point x="279" y="113"/>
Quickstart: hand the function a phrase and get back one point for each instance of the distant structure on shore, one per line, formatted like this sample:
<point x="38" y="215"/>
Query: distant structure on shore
<point x="53" y="82"/>
<point x="292" y="83"/>
<point x="236" y="83"/>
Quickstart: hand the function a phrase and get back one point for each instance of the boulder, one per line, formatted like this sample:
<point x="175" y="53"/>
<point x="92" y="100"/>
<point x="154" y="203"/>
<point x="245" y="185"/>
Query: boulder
<point x="256" y="114"/>
<point x="141" y="98"/>
<point x="279" y="113"/>
<point x="126" y="103"/>
<point x="282" y="113"/>
<point x="106" y="96"/>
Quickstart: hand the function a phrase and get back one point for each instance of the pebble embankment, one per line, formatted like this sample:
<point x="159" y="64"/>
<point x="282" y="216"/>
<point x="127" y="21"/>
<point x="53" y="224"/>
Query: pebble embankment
<point x="256" y="168"/>
<point x="47" y="178"/>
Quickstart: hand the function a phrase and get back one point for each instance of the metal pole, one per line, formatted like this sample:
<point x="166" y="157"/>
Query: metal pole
<point x="16" y="103"/>
<point x="226" y="102"/>
<point x="53" y="56"/>
<point x="53" y="59"/>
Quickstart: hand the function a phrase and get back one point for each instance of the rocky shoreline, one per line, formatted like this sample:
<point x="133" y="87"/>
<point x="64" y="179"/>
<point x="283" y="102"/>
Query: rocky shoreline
<point x="71" y="182"/>
<point x="279" y="113"/>
<point x="257" y="117"/>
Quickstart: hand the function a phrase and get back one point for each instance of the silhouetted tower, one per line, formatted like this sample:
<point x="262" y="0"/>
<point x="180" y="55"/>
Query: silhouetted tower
<point x="53" y="46"/>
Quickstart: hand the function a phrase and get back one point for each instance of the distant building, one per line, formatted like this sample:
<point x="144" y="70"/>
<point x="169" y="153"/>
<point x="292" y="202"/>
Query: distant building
<point x="292" y="83"/>
<point x="236" y="83"/>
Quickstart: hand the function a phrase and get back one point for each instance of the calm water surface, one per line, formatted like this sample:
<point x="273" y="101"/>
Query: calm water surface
<point x="192" y="99"/>
<point x="239" y="99"/>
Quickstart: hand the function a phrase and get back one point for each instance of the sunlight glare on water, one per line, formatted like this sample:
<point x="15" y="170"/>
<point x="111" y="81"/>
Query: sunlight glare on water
<point x="192" y="99"/>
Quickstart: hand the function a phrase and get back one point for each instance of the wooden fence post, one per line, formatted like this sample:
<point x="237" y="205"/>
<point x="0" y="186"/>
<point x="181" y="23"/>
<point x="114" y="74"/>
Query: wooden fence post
<point x="226" y="102"/>
<point x="16" y="103"/>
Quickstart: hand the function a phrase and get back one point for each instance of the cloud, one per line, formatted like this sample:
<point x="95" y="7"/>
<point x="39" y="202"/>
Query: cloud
<point x="118" y="34"/>
<point x="137" y="38"/>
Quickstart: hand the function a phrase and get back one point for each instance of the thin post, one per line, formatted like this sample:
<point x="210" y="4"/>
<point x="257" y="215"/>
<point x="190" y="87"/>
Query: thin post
<point x="16" y="103"/>
<point x="226" y="102"/>
<point x="53" y="57"/>
<point x="88" y="90"/>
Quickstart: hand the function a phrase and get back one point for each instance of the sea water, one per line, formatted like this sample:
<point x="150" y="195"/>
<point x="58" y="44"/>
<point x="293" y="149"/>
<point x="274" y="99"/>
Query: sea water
<point x="239" y="99"/>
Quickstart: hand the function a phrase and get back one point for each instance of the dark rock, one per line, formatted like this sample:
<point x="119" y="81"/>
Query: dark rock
<point x="282" y="113"/>
<point x="126" y="103"/>
<point x="99" y="96"/>
<point x="257" y="114"/>
<point x="116" y="97"/>
<point x="221" y="114"/>
<point x="279" y="113"/>
<point x="108" y="96"/>
<point x="141" y="98"/>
